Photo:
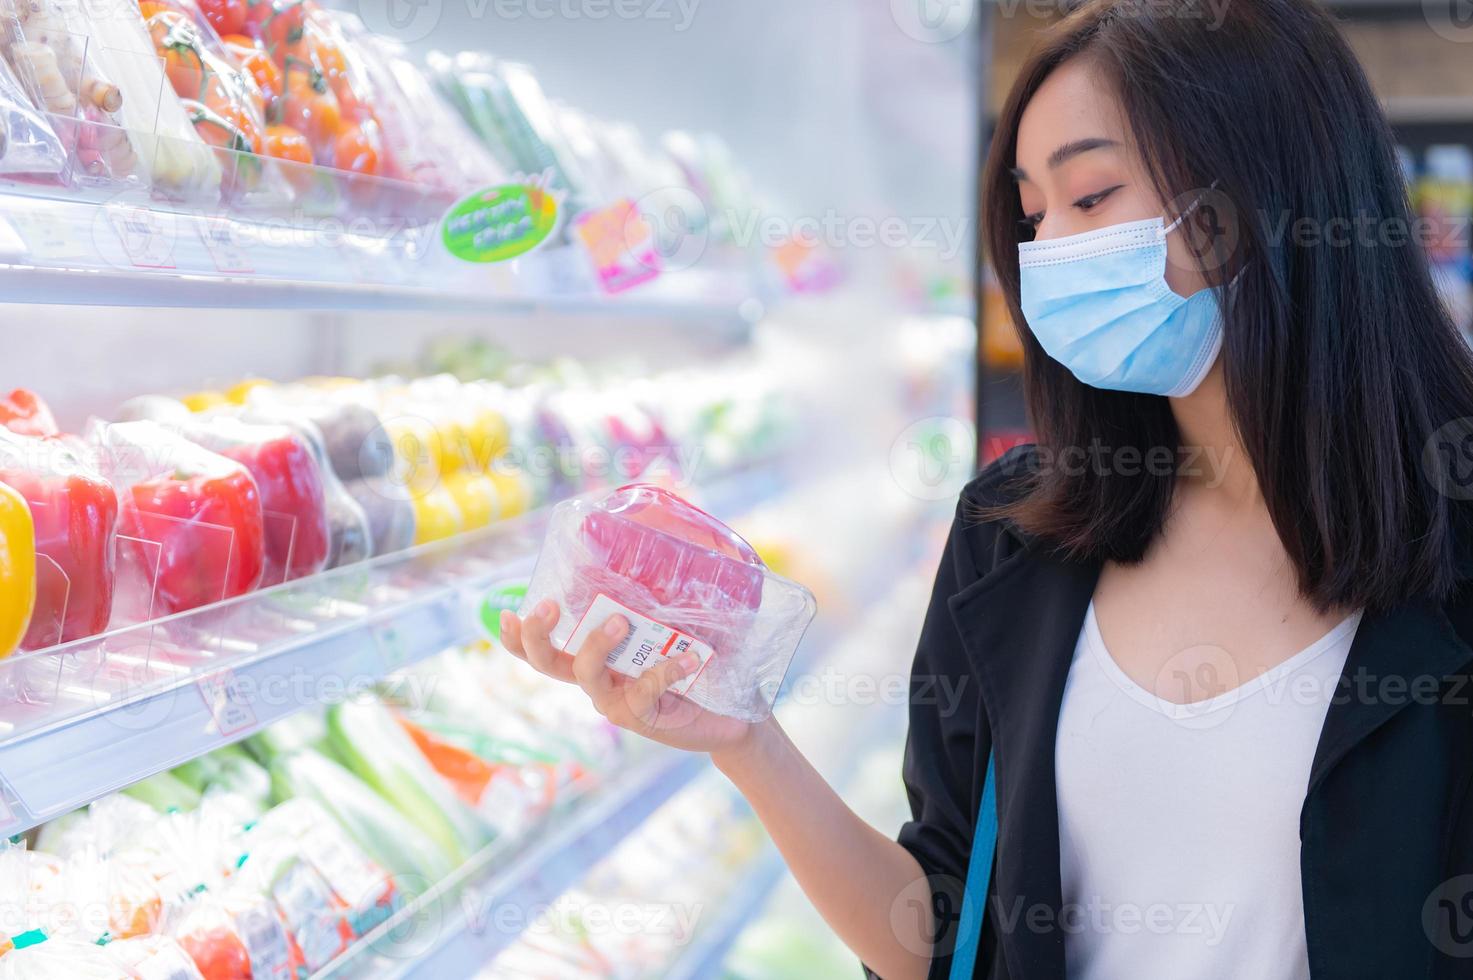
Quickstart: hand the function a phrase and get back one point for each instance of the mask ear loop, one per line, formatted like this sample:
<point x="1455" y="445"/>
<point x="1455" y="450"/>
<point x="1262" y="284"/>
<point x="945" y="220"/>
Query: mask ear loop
<point x="1187" y="213"/>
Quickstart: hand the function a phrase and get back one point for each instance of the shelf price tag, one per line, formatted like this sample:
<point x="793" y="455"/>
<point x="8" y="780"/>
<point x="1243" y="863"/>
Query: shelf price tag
<point x="227" y="703"/>
<point x="47" y="235"/>
<point x="147" y="236"/>
<point x="226" y="246"/>
<point x="621" y="244"/>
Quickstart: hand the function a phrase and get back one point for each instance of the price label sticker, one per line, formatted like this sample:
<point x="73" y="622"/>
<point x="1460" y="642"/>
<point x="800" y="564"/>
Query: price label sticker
<point x="227" y="702"/>
<point x="621" y="245"/>
<point x="226" y="244"/>
<point x="647" y="643"/>
<point x="147" y="236"/>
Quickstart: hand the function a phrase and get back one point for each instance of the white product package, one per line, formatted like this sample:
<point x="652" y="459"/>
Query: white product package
<point x="685" y="582"/>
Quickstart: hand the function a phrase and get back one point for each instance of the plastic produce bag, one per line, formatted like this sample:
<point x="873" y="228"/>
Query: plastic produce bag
<point x="17" y="569"/>
<point x="74" y="511"/>
<point x="370" y="742"/>
<point x="153" y="958"/>
<point x="293" y="498"/>
<point x="46" y="42"/>
<point x="685" y="582"/>
<point x="193" y="515"/>
<point x="222" y="101"/>
<point x="427" y="140"/>
<point x="383" y="833"/>
<point x="151" y="115"/>
<point x="28" y="144"/>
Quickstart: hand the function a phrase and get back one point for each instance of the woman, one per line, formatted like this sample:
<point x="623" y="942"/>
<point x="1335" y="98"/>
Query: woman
<point x="1211" y="631"/>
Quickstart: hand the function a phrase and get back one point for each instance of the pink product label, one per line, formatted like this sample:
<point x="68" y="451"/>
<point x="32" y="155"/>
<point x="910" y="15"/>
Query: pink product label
<point x="620" y="244"/>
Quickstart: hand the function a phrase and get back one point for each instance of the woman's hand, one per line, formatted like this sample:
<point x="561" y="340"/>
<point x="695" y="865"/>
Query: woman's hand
<point x="643" y="705"/>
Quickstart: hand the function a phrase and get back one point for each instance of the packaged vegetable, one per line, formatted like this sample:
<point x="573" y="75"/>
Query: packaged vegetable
<point x="368" y="740"/>
<point x="315" y="917"/>
<point x="17" y="569"/>
<point x="153" y="958"/>
<point x="350" y="536"/>
<point x="28" y="144"/>
<point x="685" y="582"/>
<point x="297" y="536"/>
<point x="222" y="101"/>
<point x="384" y="833"/>
<point x="427" y="140"/>
<point x="327" y="94"/>
<point x="25" y="413"/>
<point x="208" y="935"/>
<point x="391" y="514"/>
<point x="46" y="42"/>
<point x="193" y="515"/>
<point x="178" y="163"/>
<point x="74" y="512"/>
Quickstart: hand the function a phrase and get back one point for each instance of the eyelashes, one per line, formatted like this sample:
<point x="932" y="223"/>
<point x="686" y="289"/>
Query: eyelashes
<point x="1086" y="204"/>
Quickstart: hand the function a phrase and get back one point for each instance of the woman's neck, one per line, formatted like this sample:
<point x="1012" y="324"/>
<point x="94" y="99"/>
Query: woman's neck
<point x="1207" y="433"/>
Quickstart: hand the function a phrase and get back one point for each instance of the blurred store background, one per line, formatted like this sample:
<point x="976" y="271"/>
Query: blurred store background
<point x="762" y="281"/>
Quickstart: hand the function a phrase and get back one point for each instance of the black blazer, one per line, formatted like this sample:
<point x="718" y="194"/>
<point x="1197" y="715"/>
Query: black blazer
<point x="1386" y="829"/>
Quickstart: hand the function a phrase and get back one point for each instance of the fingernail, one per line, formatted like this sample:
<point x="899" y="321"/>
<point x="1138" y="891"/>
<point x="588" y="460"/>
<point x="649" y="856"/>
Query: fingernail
<point x="688" y="663"/>
<point x="544" y="609"/>
<point x="616" y="626"/>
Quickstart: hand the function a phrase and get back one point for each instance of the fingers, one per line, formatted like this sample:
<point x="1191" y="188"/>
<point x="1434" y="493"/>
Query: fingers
<point x="529" y="640"/>
<point x="592" y="674"/>
<point x="642" y="696"/>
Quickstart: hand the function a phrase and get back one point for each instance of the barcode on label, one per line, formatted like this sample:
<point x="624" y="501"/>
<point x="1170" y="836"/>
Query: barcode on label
<point x="647" y="643"/>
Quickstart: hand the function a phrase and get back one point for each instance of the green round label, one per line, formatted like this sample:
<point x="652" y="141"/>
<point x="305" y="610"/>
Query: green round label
<point x="499" y="598"/>
<point x="499" y="223"/>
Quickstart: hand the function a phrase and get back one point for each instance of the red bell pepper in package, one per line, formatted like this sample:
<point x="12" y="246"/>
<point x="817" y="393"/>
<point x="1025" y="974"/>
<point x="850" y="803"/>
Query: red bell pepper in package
<point x="75" y="512"/>
<point x="23" y="412"/>
<point x="191" y="514"/>
<point x="293" y="497"/>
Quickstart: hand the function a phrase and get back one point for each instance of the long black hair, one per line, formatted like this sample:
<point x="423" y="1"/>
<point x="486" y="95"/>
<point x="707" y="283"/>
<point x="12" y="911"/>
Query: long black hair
<point x="1340" y="362"/>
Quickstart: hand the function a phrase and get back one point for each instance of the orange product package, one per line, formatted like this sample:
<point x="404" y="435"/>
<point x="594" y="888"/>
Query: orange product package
<point x="223" y="99"/>
<point x="327" y="94"/>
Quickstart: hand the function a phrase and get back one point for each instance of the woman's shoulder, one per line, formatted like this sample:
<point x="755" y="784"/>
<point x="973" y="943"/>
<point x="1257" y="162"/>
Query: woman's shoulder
<point x="982" y="531"/>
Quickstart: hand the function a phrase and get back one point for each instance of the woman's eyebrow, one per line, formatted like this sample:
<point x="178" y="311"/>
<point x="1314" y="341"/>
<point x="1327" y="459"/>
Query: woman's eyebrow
<point x="1073" y="149"/>
<point x="1067" y="152"/>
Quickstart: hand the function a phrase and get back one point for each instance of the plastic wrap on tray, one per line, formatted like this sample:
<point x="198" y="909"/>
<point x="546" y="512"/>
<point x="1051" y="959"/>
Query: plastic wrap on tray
<point x="46" y="42"/>
<point x="222" y="100"/>
<point x="685" y="582"/>
<point x="327" y="95"/>
<point x="189" y="518"/>
<point x="28" y="144"/>
<point x="74" y="511"/>
<point x="152" y="118"/>
<point x="427" y="140"/>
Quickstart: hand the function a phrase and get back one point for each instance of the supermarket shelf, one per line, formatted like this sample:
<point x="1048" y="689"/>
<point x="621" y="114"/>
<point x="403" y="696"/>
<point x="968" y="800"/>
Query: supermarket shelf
<point x="125" y="252"/>
<point x="457" y="927"/>
<point x="703" y="957"/>
<point x="140" y="699"/>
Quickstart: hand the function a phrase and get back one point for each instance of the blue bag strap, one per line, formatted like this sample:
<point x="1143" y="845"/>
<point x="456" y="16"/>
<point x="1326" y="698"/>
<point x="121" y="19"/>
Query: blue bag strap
<point x="979" y="875"/>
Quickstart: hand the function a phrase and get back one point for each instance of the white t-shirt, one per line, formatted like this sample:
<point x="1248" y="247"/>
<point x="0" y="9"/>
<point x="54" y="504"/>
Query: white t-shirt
<point x="1179" y="823"/>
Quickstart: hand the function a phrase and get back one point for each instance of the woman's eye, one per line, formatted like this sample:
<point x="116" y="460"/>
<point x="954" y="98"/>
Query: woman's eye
<point x="1091" y="201"/>
<point x="1032" y="221"/>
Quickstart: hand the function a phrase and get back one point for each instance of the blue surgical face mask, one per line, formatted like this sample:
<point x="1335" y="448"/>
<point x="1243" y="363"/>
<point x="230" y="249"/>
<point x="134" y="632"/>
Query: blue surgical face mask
<point x="1099" y="304"/>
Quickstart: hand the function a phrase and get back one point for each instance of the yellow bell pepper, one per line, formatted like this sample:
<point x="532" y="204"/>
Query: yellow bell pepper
<point x="203" y="401"/>
<point x="17" y="569"/>
<point x="239" y="394"/>
<point x="436" y="515"/>
<point x="476" y="496"/>
<point x="514" y="490"/>
<point x="489" y="436"/>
